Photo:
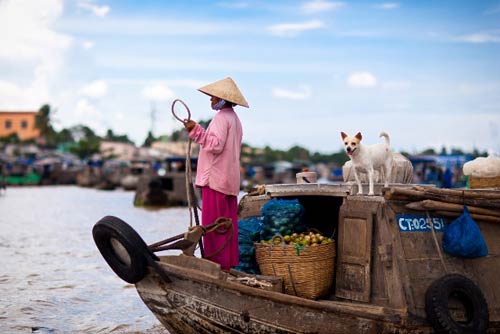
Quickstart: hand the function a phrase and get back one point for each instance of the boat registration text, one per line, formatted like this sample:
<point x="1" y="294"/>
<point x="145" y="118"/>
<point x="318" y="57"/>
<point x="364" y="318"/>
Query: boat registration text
<point x="419" y="223"/>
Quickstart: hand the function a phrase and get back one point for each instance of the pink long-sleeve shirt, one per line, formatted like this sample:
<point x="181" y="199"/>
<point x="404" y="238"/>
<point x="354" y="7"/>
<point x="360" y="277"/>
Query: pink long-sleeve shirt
<point x="219" y="158"/>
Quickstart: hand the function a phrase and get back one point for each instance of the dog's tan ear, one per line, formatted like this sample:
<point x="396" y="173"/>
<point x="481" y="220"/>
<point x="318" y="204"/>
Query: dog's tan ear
<point x="343" y="134"/>
<point x="359" y="136"/>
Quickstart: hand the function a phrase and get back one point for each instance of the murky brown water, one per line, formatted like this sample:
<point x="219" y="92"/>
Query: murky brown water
<point x="52" y="277"/>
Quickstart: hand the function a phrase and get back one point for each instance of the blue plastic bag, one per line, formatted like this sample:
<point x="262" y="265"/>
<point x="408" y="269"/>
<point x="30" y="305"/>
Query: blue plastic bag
<point x="463" y="238"/>
<point x="248" y="234"/>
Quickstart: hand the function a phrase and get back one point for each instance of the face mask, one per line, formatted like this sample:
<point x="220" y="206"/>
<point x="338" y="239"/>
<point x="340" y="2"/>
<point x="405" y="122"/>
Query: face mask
<point x="219" y="104"/>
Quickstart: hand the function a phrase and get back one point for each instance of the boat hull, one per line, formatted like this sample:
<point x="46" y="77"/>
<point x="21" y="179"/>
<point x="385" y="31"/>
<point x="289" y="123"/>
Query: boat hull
<point x="210" y="303"/>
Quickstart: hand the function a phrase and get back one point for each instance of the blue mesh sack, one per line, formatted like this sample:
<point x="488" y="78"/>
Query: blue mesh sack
<point x="280" y="216"/>
<point x="248" y="234"/>
<point x="463" y="238"/>
<point x="249" y="230"/>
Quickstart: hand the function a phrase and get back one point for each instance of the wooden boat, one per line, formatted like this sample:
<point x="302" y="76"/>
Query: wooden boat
<point x="3" y="184"/>
<point x="19" y="172"/>
<point x="391" y="275"/>
<point x="138" y="168"/>
<point x="165" y="189"/>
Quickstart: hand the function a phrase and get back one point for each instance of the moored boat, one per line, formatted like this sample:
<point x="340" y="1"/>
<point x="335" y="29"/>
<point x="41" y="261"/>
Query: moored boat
<point x="137" y="169"/>
<point x="391" y="273"/>
<point x="166" y="188"/>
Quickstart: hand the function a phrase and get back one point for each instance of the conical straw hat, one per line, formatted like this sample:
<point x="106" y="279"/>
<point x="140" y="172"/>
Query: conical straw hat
<point x="225" y="89"/>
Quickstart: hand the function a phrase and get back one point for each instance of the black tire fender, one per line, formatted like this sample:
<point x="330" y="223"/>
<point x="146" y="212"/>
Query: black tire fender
<point x="123" y="249"/>
<point x="468" y="294"/>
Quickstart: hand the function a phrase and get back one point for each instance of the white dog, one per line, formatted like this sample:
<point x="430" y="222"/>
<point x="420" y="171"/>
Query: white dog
<point x="369" y="158"/>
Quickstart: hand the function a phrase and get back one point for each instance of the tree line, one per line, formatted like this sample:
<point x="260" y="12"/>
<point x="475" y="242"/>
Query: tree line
<point x="84" y="142"/>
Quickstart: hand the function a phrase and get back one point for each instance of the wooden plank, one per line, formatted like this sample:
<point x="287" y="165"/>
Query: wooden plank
<point x="439" y="205"/>
<point x="250" y="206"/>
<point x="421" y="274"/>
<point x="401" y="271"/>
<point x="387" y="246"/>
<point x="491" y="237"/>
<point x="419" y="245"/>
<point x="354" y="250"/>
<point x="488" y="282"/>
<point x="474" y="216"/>
<point x="382" y="260"/>
<point x="486" y="199"/>
<point x="424" y="271"/>
<point x="308" y="189"/>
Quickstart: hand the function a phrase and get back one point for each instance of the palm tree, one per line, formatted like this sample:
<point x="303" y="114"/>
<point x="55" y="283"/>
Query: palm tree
<point x="149" y="139"/>
<point x="44" y="125"/>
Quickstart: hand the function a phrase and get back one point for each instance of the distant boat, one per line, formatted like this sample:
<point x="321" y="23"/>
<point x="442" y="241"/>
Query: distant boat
<point x="3" y="185"/>
<point x="104" y="175"/>
<point x="20" y="172"/>
<point x="137" y="169"/>
<point x="167" y="187"/>
<point x="57" y="170"/>
<point x="87" y="177"/>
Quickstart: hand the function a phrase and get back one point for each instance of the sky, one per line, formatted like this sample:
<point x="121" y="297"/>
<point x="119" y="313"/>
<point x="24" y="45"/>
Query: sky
<point x="426" y="72"/>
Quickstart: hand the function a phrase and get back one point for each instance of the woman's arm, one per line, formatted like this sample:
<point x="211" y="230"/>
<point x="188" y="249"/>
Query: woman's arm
<point x="214" y="138"/>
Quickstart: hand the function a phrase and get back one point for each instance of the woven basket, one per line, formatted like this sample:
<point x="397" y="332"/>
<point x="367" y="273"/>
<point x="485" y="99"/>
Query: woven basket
<point x="484" y="182"/>
<point x="306" y="272"/>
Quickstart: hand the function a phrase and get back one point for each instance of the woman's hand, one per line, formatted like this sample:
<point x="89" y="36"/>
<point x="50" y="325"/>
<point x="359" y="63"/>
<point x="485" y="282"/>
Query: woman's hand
<point x="189" y="125"/>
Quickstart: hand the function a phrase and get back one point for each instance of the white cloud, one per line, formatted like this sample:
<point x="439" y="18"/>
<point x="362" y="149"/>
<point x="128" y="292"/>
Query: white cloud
<point x="25" y="30"/>
<point x="293" y="29"/>
<point x="189" y="83"/>
<point x="467" y="88"/>
<point x="317" y="6"/>
<point x="9" y="91"/>
<point x="17" y="97"/>
<point x="158" y="92"/>
<point x="119" y="116"/>
<point x="87" y="45"/>
<point x="140" y="26"/>
<point x="304" y="93"/>
<point x="85" y="109"/>
<point x="491" y="36"/>
<point x="100" y="11"/>
<point x="388" y="5"/>
<point x="30" y="43"/>
<point x="362" y="79"/>
<point x="86" y="113"/>
<point x="95" y="89"/>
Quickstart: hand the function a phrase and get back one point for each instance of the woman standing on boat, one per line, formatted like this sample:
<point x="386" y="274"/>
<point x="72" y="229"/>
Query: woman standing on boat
<point x="218" y="170"/>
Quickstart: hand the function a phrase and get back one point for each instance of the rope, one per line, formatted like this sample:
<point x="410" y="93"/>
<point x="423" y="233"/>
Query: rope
<point x="189" y="184"/>
<point x="219" y="222"/>
<point x="192" y="202"/>
<point x="215" y="228"/>
<point x="251" y="281"/>
<point x="185" y="106"/>
<point x="437" y="243"/>
<point x="190" y="194"/>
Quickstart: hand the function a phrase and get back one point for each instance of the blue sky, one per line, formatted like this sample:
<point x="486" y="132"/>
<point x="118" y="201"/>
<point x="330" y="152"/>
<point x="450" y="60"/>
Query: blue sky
<point x="426" y="72"/>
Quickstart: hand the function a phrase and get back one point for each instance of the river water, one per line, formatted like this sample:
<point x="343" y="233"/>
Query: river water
<point x="52" y="277"/>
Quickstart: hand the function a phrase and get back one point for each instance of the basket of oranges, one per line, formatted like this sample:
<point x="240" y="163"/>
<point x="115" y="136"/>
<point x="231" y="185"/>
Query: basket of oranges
<point x="304" y="261"/>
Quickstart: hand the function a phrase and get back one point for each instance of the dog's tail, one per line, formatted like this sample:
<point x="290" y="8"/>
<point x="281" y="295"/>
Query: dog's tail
<point x="386" y="136"/>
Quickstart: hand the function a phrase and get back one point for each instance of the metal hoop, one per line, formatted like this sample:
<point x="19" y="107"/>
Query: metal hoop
<point x="185" y="106"/>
